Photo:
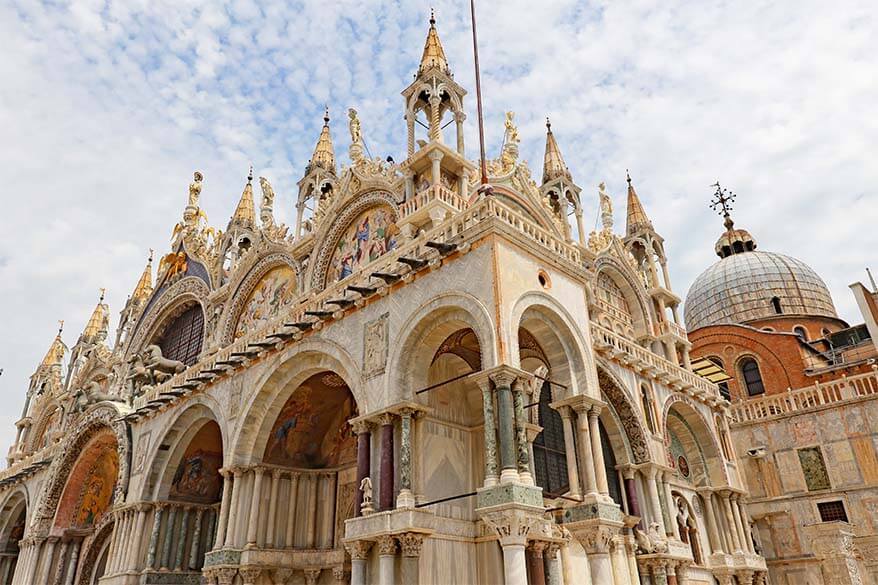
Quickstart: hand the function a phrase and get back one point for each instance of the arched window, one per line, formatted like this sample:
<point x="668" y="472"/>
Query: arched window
<point x="646" y="403"/>
<point x="181" y="340"/>
<point x="775" y="302"/>
<point x="550" y="455"/>
<point x="752" y="377"/>
<point x="800" y="331"/>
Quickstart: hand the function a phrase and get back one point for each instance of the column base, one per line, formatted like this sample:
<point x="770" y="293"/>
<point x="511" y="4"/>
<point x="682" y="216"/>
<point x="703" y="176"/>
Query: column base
<point x="405" y="499"/>
<point x="491" y="481"/>
<point x="509" y="476"/>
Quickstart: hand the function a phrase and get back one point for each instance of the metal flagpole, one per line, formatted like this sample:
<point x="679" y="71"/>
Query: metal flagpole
<point x="485" y="188"/>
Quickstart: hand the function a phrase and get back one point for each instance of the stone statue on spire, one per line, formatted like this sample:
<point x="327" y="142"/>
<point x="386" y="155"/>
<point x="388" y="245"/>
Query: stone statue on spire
<point x="511" y="130"/>
<point x="356" y="149"/>
<point x="606" y="207"/>
<point x="195" y="189"/>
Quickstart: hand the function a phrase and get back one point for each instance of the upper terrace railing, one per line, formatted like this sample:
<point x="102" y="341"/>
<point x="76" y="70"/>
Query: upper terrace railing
<point x="432" y="193"/>
<point x="805" y="399"/>
<point x="629" y="352"/>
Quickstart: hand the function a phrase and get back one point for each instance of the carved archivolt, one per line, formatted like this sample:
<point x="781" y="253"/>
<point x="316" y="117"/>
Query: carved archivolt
<point x="188" y="289"/>
<point x="247" y="284"/>
<point x="627" y="414"/>
<point x="92" y="548"/>
<point x="329" y="241"/>
<point x="92" y="422"/>
<point x="694" y="407"/>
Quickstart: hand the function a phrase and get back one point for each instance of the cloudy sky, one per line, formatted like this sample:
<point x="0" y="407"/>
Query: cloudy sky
<point x="107" y="108"/>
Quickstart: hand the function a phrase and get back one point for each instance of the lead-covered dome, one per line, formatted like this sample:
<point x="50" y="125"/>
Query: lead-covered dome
<point x="752" y="285"/>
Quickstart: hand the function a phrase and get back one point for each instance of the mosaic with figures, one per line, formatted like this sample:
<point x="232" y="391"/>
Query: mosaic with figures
<point x="275" y="291"/>
<point x="197" y="478"/>
<point x="369" y="236"/>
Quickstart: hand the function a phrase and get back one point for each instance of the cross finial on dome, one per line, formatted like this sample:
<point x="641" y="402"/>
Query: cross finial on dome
<point x="60" y="326"/>
<point x="722" y="203"/>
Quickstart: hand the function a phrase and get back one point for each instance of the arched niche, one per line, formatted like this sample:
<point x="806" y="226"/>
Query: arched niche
<point x="13" y="524"/>
<point x="311" y="430"/>
<point x="88" y="491"/>
<point x="626" y="432"/>
<point x="691" y="443"/>
<point x="364" y="230"/>
<point x="268" y="288"/>
<point x="197" y="478"/>
<point x="163" y="308"/>
<point x="621" y="280"/>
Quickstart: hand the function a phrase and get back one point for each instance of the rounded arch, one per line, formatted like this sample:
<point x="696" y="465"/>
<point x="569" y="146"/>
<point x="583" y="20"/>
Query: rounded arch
<point x="522" y="203"/>
<point x="621" y="404"/>
<point x="335" y="229"/>
<point x="101" y="418"/>
<point x="556" y="331"/>
<point x="13" y="519"/>
<point x="95" y="552"/>
<point x="246" y="282"/>
<point x="682" y="416"/>
<point x="632" y="290"/>
<point x="424" y="331"/>
<point x="48" y="418"/>
<point x="186" y="291"/>
<point x="294" y="366"/>
<point x="176" y="436"/>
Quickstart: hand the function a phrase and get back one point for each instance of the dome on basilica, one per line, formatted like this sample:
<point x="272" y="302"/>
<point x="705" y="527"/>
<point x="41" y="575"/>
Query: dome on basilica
<point x="749" y="285"/>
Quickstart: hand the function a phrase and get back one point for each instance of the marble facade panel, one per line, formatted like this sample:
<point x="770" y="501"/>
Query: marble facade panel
<point x="790" y="471"/>
<point x="842" y="466"/>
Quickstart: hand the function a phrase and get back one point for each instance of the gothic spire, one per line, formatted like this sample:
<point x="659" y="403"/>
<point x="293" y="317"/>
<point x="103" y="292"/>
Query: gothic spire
<point x="434" y="54"/>
<point x="553" y="163"/>
<point x="97" y="323"/>
<point x="245" y="213"/>
<point x="637" y="218"/>
<point x="324" y="154"/>
<point x="144" y="285"/>
<point x="56" y="352"/>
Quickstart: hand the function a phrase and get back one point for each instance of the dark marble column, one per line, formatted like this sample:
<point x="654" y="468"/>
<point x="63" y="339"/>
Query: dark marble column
<point x="537" y="569"/>
<point x="364" y="460"/>
<point x="631" y="496"/>
<point x="506" y="424"/>
<point x="386" y="497"/>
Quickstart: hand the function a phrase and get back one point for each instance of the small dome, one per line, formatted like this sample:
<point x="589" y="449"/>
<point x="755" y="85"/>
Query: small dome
<point x="751" y="285"/>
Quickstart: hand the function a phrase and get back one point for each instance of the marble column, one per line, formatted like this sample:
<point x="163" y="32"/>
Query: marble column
<point x="411" y="544"/>
<point x="181" y="539"/>
<point x="436" y="167"/>
<point x="730" y="521"/>
<point x="364" y="462"/>
<point x="169" y="537"/>
<point x="46" y="564"/>
<point x="739" y="522"/>
<point x="133" y="561"/>
<point x="405" y="498"/>
<point x="253" y="519"/>
<point x="196" y="541"/>
<point x="597" y="451"/>
<point x="410" y="127"/>
<point x="154" y="535"/>
<point x="386" y="484"/>
<point x="222" y="524"/>
<point x="631" y="495"/>
<point x="631" y="555"/>
<point x="313" y="507"/>
<point x="671" y="528"/>
<point x="74" y="560"/>
<point x="506" y="426"/>
<point x="231" y="539"/>
<point x="652" y="488"/>
<point x="554" y="571"/>
<point x="291" y="511"/>
<point x="58" y="573"/>
<point x="618" y="561"/>
<point x="115" y="539"/>
<point x="359" y="552"/>
<point x="522" y="450"/>
<point x="537" y="568"/>
<point x="672" y="575"/>
<point x="585" y="452"/>
<point x="514" y="564"/>
<point x="491" y="476"/>
<point x="570" y="451"/>
<point x="386" y="560"/>
<point x="711" y="521"/>
<point x="459" y="117"/>
<point x="271" y="521"/>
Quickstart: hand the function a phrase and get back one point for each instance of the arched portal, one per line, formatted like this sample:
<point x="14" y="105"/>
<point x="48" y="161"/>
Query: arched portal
<point x="14" y="522"/>
<point x="83" y="521"/>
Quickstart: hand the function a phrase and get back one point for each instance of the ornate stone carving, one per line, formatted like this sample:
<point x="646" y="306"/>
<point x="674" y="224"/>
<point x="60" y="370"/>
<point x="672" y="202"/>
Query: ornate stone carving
<point x="250" y="575"/>
<point x="411" y="543"/>
<point x="366" y="487"/>
<point x="375" y="346"/>
<point x="225" y="576"/>
<point x="339" y="574"/>
<point x="627" y="414"/>
<point x="386" y="545"/>
<point x="597" y="539"/>
<point x="311" y="576"/>
<point x="358" y="549"/>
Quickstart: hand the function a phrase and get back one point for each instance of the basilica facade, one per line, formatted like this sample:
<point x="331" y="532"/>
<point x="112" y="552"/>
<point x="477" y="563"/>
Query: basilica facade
<point x="422" y="381"/>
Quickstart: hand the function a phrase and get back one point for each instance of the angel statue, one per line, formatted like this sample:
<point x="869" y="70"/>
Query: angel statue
<point x="366" y="488"/>
<point x="195" y="189"/>
<point x="265" y="210"/>
<point x="606" y="207"/>
<point x="511" y="129"/>
<point x="356" y="134"/>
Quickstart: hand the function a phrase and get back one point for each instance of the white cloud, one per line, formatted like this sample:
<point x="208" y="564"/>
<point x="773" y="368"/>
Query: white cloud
<point x="107" y="108"/>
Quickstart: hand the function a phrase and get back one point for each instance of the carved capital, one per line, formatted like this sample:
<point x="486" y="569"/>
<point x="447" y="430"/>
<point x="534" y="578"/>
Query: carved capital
<point x="225" y="576"/>
<point x="386" y="545"/>
<point x="386" y="418"/>
<point x="552" y="550"/>
<point x="411" y="543"/>
<point x="503" y="378"/>
<point x="250" y="575"/>
<point x="358" y="549"/>
<point x="339" y="574"/>
<point x="283" y="576"/>
<point x="537" y="547"/>
<point x="597" y="539"/>
<point x="311" y="576"/>
<point x="361" y="426"/>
